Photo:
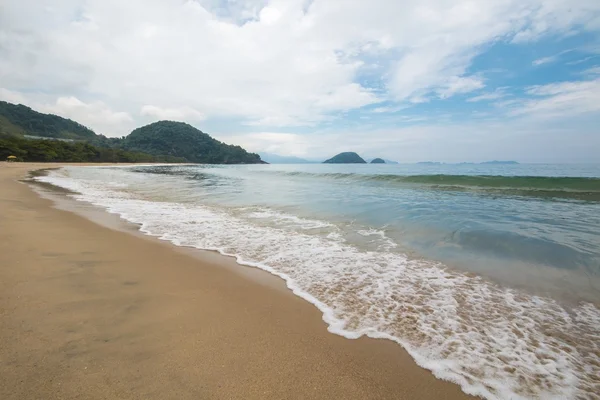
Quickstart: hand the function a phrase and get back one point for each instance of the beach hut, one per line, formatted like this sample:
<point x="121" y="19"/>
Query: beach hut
<point x="11" y="158"/>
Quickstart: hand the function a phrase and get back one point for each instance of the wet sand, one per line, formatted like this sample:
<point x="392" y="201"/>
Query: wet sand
<point x="91" y="312"/>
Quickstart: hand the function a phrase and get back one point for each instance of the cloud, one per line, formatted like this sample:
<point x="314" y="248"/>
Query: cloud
<point x="457" y="85"/>
<point x="592" y="71"/>
<point x="95" y="114"/>
<point x="288" y="144"/>
<point x="562" y="99"/>
<point x="181" y="113"/>
<point x="12" y="97"/>
<point x="557" y="17"/>
<point x="550" y="59"/>
<point x="266" y="63"/>
<point x="473" y="141"/>
<point x="544" y="60"/>
<point x="498" y="93"/>
<point x="581" y="60"/>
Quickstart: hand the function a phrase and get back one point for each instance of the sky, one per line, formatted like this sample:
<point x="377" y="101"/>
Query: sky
<point x="424" y="80"/>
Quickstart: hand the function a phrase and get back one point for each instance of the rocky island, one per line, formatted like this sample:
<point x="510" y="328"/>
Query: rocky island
<point x="346" y="158"/>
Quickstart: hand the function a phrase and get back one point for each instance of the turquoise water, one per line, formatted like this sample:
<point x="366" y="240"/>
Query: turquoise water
<point x="509" y="222"/>
<point x="489" y="275"/>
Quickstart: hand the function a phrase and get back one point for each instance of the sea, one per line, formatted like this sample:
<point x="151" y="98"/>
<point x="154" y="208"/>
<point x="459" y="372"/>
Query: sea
<point x="488" y="275"/>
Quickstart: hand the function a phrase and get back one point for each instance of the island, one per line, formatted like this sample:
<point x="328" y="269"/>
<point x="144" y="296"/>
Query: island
<point x="500" y="162"/>
<point x="345" y="158"/>
<point x="378" y="161"/>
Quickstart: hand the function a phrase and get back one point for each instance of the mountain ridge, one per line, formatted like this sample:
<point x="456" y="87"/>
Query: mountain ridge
<point x="272" y="158"/>
<point x="162" y="140"/>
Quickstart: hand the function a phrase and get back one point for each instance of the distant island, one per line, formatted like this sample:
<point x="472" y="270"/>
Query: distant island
<point x="345" y="158"/>
<point x="278" y="159"/>
<point x="378" y="161"/>
<point x="500" y="162"/>
<point x="470" y="163"/>
<point x="33" y="136"/>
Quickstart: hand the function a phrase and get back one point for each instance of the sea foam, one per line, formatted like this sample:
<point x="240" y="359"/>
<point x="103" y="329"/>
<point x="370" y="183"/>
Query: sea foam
<point x="494" y="342"/>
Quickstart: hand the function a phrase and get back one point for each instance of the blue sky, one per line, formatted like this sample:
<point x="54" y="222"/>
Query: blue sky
<point x="406" y="80"/>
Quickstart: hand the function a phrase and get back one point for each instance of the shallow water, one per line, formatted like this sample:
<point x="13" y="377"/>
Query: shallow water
<point x="489" y="275"/>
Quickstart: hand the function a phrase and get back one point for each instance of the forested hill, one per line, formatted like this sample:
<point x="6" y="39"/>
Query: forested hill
<point x="44" y="150"/>
<point x="18" y="119"/>
<point x="348" y="157"/>
<point x="178" y="139"/>
<point x="164" y="140"/>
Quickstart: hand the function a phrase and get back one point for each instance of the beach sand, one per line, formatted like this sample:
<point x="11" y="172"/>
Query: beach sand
<point x="91" y="312"/>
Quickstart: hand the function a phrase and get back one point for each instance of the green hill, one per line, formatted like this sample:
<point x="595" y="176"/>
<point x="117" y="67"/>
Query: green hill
<point x="44" y="150"/>
<point x="160" y="141"/>
<point x="178" y="139"/>
<point x="378" y="161"/>
<point x="22" y="120"/>
<point x="346" y="158"/>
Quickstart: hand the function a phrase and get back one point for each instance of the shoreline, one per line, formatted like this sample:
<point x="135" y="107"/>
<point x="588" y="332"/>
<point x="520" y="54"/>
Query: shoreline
<point x="96" y="312"/>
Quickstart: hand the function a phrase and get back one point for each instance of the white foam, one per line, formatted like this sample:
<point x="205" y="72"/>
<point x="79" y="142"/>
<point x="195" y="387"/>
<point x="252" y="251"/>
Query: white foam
<point x="494" y="342"/>
<point x="384" y="242"/>
<point x="287" y="220"/>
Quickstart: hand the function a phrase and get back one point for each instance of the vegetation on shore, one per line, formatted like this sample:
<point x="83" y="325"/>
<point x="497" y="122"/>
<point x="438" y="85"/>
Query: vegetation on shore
<point x="33" y="136"/>
<point x="42" y="150"/>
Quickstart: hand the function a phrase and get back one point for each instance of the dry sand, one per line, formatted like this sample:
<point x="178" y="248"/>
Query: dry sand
<point x="90" y="312"/>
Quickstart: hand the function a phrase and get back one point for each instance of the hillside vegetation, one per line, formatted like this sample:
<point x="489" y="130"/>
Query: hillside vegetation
<point x="182" y="140"/>
<point x="41" y="150"/>
<point x="161" y="141"/>
<point x="346" y="158"/>
<point x="22" y="120"/>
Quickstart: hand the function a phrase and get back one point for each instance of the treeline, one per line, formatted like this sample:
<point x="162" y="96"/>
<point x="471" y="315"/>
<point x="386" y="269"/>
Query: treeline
<point x="40" y="150"/>
<point x="163" y="141"/>
<point x="20" y="119"/>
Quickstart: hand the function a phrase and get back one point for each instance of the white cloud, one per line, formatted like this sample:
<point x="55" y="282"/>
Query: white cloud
<point x="457" y="85"/>
<point x="544" y="60"/>
<point x="288" y="144"/>
<point x="180" y="113"/>
<point x="267" y="63"/>
<point x="592" y="71"/>
<point x="560" y="99"/>
<point x="498" y="93"/>
<point x="537" y="142"/>
<point x="95" y="114"/>
<point x="557" y="16"/>
<point x="550" y="59"/>
<point x="387" y="109"/>
<point x="12" y="97"/>
<point x="92" y="112"/>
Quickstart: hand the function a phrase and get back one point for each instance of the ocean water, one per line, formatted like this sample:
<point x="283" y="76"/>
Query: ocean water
<point x="489" y="275"/>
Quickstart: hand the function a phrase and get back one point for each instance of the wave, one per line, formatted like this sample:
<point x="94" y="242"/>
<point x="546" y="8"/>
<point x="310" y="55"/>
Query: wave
<point x="494" y="342"/>
<point x="578" y="188"/>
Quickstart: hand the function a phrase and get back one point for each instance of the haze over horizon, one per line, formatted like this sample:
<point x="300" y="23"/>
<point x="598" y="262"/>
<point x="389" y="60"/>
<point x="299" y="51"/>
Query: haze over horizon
<point x="410" y="81"/>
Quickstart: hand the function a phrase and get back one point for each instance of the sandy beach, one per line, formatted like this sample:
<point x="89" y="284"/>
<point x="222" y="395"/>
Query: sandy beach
<point x="91" y="312"/>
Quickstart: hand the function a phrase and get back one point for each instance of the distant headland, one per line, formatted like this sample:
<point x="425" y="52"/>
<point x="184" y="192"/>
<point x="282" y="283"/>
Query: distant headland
<point x="494" y="162"/>
<point x="350" y="157"/>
